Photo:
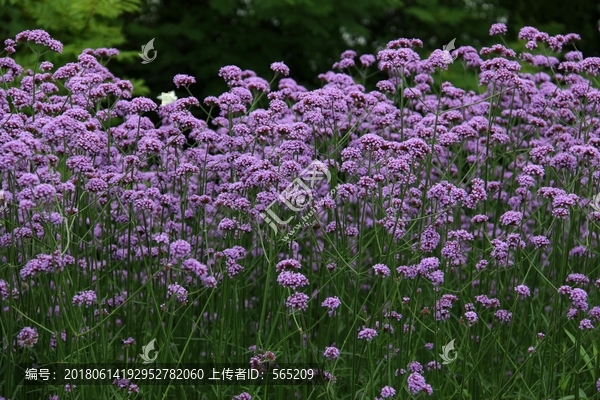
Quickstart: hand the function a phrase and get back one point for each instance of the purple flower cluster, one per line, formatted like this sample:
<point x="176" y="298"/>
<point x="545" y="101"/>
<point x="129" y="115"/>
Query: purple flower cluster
<point x="297" y="302"/>
<point x="367" y="333"/>
<point x="41" y="37"/>
<point x="331" y="353"/>
<point x="387" y="392"/>
<point x="381" y="270"/>
<point x="86" y="297"/>
<point x="416" y="384"/>
<point x="28" y="337"/>
<point x="292" y="280"/>
<point x="180" y="248"/>
<point x="332" y="303"/>
<point x="178" y="291"/>
<point x="523" y="291"/>
<point x="428" y="268"/>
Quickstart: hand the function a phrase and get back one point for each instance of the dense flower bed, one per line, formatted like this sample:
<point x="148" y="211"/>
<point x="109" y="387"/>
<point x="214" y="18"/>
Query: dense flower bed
<point x="360" y="230"/>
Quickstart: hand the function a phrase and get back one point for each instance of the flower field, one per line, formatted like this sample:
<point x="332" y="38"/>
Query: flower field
<point x="407" y="240"/>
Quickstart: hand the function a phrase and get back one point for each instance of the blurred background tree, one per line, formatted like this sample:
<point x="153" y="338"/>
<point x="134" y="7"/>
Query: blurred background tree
<point x="308" y="35"/>
<point x="199" y="37"/>
<point x="78" y="24"/>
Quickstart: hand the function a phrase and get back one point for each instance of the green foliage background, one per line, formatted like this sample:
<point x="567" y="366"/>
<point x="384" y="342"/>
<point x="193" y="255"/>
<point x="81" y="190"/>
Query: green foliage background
<point x="199" y="37"/>
<point x="78" y="24"/>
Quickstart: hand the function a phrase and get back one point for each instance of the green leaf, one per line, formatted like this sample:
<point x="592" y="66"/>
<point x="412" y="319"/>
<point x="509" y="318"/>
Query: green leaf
<point x="583" y="353"/>
<point x="422" y="14"/>
<point x="139" y="87"/>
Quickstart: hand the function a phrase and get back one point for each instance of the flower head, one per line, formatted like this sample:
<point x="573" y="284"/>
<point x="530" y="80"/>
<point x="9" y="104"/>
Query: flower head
<point x="180" y="248"/>
<point x="387" y="392"/>
<point x="179" y="80"/>
<point x="86" y="297"/>
<point x="416" y="384"/>
<point x="28" y="337"/>
<point x="523" y="291"/>
<point x="367" y="333"/>
<point x="498" y="29"/>
<point x="178" y="291"/>
<point x="332" y="303"/>
<point x="280" y="68"/>
<point x="167" y="98"/>
<point x="331" y="353"/>
<point x="39" y="36"/>
<point x="297" y="302"/>
<point x="381" y="270"/>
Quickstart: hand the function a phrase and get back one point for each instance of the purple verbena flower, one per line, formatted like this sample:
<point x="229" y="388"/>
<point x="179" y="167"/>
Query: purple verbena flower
<point x="381" y="270"/>
<point x="280" y="68"/>
<point x="417" y="384"/>
<point x="87" y="297"/>
<point x="183" y="80"/>
<point x="367" y="60"/>
<point x="586" y="324"/>
<point x="578" y="278"/>
<point x="387" y="392"/>
<point x="195" y="267"/>
<point x="498" y="28"/>
<point x="331" y="353"/>
<point x="503" y="315"/>
<point x="292" y="280"/>
<point x="471" y="317"/>
<point x="579" y="299"/>
<point x="415" y="366"/>
<point x="288" y="264"/>
<point x="367" y="333"/>
<point x="332" y="303"/>
<point x="178" y="291"/>
<point x="27" y="337"/>
<point x="523" y="291"/>
<point x="511" y="218"/>
<point x="297" y="302"/>
<point x="39" y="36"/>
<point x="594" y="313"/>
<point x="180" y="249"/>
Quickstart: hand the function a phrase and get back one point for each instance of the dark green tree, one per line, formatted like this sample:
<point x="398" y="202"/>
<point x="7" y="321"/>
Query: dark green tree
<point x="78" y="24"/>
<point x="198" y="38"/>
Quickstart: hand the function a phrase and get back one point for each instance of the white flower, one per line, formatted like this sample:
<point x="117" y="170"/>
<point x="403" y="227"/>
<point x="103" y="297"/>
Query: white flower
<point x="167" y="98"/>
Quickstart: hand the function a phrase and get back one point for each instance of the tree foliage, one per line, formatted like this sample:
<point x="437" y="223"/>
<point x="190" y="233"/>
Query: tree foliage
<point x="308" y="35"/>
<point x="198" y="38"/>
<point x="78" y="24"/>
